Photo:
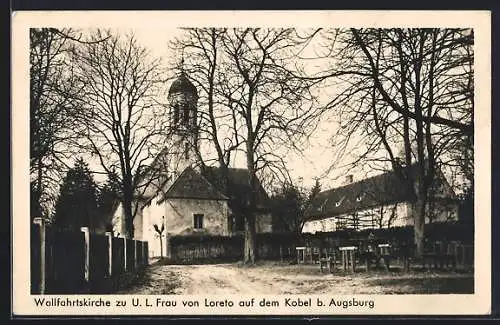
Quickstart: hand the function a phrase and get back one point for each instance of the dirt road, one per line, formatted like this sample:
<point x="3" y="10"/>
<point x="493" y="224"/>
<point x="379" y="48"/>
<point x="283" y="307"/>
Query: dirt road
<point x="290" y="279"/>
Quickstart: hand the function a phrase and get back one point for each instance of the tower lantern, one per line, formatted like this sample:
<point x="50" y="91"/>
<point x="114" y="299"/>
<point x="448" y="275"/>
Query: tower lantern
<point x="183" y="99"/>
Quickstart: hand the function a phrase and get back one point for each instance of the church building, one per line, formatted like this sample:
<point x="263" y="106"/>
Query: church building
<point x="182" y="195"/>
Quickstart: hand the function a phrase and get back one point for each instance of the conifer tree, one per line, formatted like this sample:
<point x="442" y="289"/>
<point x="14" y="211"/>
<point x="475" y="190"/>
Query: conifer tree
<point x="76" y="206"/>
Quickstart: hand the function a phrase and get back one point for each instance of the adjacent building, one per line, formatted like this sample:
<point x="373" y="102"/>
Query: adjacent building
<point x="380" y="201"/>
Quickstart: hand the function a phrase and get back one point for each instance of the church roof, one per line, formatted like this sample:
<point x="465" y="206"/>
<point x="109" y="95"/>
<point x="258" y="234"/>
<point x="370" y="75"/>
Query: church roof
<point x="238" y="187"/>
<point x="182" y="85"/>
<point x="192" y="185"/>
<point x="368" y="193"/>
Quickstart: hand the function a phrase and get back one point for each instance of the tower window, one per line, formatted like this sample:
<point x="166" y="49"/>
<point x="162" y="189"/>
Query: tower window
<point x="186" y="150"/>
<point x="176" y="114"/>
<point x="186" y="114"/>
<point x="198" y="220"/>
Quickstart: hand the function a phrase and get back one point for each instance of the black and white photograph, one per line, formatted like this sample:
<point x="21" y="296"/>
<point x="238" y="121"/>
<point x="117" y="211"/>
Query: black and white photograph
<point x="229" y="163"/>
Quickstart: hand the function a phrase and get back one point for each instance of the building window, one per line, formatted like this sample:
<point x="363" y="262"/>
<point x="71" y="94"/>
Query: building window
<point x="198" y="221"/>
<point x="175" y="109"/>
<point x="186" y="150"/>
<point x="186" y="114"/>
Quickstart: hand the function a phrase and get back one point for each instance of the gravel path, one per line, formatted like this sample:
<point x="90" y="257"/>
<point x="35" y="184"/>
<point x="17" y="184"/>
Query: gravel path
<point x="220" y="279"/>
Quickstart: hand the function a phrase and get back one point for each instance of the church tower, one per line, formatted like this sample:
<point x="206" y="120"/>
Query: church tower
<point x="183" y="99"/>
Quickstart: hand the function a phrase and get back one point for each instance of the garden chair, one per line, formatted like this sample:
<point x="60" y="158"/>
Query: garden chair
<point x="315" y="255"/>
<point x="384" y="253"/>
<point x="328" y="259"/>
<point x="368" y="253"/>
<point x="405" y="253"/>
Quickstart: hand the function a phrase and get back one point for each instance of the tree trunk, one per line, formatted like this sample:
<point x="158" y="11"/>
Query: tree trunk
<point x="249" y="248"/>
<point x="38" y="211"/>
<point x="419" y="225"/>
<point x="250" y="215"/>
<point x="161" y="248"/>
<point x="129" y="221"/>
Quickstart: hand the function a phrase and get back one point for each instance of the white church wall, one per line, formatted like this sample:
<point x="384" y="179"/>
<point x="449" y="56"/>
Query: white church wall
<point x="117" y="221"/>
<point x="138" y="229"/>
<point x="179" y="216"/>
<point x="153" y="215"/>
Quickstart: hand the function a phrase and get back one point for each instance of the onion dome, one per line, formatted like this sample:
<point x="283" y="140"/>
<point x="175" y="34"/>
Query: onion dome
<point x="183" y="85"/>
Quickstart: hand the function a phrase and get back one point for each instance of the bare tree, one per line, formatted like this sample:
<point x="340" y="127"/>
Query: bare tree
<point x="256" y="98"/>
<point x="405" y="96"/>
<point x="122" y="123"/>
<point x="273" y="106"/>
<point x="385" y="215"/>
<point x="53" y="104"/>
<point x="159" y="232"/>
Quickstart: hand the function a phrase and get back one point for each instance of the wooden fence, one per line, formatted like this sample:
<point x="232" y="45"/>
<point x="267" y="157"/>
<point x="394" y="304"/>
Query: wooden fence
<point x="77" y="261"/>
<point x="282" y="246"/>
<point x="207" y="248"/>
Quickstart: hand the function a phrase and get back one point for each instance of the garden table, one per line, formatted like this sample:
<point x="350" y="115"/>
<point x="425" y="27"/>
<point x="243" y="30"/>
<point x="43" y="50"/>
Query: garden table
<point x="348" y="257"/>
<point x="301" y="254"/>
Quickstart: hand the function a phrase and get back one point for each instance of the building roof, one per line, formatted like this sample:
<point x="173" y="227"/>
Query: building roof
<point x="182" y="85"/>
<point x="192" y="185"/>
<point x="371" y="192"/>
<point x="239" y="189"/>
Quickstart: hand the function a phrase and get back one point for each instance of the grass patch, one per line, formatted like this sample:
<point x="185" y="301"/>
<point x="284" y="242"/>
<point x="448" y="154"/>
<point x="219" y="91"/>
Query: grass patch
<point x="116" y="283"/>
<point x="152" y="283"/>
<point x="168" y="261"/>
<point x="426" y="285"/>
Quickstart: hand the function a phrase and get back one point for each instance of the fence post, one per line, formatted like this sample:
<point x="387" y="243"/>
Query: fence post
<point x="145" y="253"/>
<point x="140" y="250"/>
<point x="125" y="254"/>
<point x="109" y="234"/>
<point x="135" y="254"/>
<point x="43" y="276"/>
<point x="86" y="233"/>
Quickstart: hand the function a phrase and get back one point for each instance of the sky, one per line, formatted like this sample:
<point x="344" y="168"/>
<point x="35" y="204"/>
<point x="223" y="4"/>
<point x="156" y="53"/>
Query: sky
<point x="318" y="155"/>
<point x="304" y="169"/>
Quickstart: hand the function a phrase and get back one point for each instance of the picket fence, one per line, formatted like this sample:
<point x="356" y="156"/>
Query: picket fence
<point x="70" y="262"/>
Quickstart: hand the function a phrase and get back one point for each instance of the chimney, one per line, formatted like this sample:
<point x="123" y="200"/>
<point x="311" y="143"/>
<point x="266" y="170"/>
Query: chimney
<point x="348" y="179"/>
